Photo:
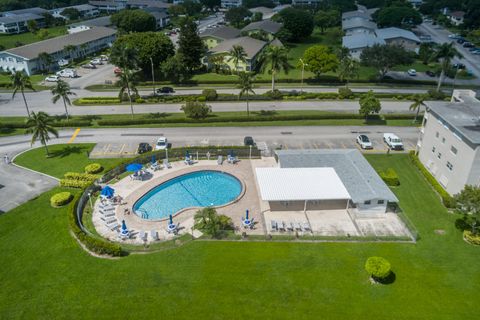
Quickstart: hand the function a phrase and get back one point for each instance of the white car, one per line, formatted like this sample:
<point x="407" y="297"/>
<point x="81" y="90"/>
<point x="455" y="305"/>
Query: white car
<point x="161" y="144"/>
<point x="364" y="142"/>
<point x="392" y="141"/>
<point x="96" y="61"/>
<point x="52" y="78"/>
<point x="412" y="72"/>
<point x="67" y="73"/>
<point x="104" y="57"/>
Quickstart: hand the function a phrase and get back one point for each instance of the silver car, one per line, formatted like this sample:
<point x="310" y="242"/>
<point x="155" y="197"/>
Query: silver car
<point x="364" y="142"/>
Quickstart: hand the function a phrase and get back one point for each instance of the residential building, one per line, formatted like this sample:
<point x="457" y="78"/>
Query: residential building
<point x="268" y="27"/>
<point x="349" y="181"/>
<point x="231" y="3"/>
<point x="356" y="14"/>
<point x="13" y="24"/>
<point x="142" y="4"/>
<point x="35" y="10"/>
<point x="161" y="16"/>
<point x="358" y="25"/>
<point x="456" y="17"/>
<point x="109" y="6"/>
<point x="449" y="142"/>
<point x="306" y="2"/>
<point x="416" y="3"/>
<point x="212" y="37"/>
<point x="267" y="13"/>
<point x="252" y="47"/>
<point x="25" y="58"/>
<point x="85" y="10"/>
<point x="88" y="24"/>
<point x="401" y="37"/>
<point x="357" y="42"/>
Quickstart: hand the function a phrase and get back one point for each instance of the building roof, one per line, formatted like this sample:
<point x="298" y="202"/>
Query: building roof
<point x="31" y="51"/>
<point x="392" y="33"/>
<point x="356" y="14"/>
<point x="149" y="3"/>
<point x="251" y="46"/>
<point x="20" y="18"/>
<point x="107" y="3"/>
<point x="35" y="10"/>
<point x="291" y="184"/>
<point x="462" y="117"/>
<point x="457" y="14"/>
<point x="276" y="43"/>
<point x="358" y="23"/>
<point x="265" y="25"/>
<point x="80" y="7"/>
<point x="359" y="178"/>
<point x="158" y="14"/>
<point x="97" y="22"/>
<point x="223" y="33"/>
<point x="361" y="40"/>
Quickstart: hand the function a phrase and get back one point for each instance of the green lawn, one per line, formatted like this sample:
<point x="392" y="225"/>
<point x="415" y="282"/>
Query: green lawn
<point x="45" y="274"/>
<point x="10" y="40"/>
<point x="64" y="158"/>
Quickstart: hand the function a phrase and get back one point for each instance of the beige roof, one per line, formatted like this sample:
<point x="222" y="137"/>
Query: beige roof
<point x="251" y="46"/>
<point x="31" y="51"/>
<point x="223" y="33"/>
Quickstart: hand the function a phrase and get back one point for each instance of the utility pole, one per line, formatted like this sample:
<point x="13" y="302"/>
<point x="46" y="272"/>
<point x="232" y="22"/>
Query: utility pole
<point x="153" y="76"/>
<point x="303" y="70"/>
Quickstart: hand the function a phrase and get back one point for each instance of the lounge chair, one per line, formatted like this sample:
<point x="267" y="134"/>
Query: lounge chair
<point x="281" y="226"/>
<point x="113" y="225"/>
<point x="107" y="216"/>
<point x="220" y="160"/>
<point x="154" y="235"/>
<point x="289" y="226"/>
<point x="274" y="225"/>
<point x="306" y="226"/>
<point x="142" y="235"/>
<point x="166" y="164"/>
<point x="298" y="226"/>
<point x="109" y="220"/>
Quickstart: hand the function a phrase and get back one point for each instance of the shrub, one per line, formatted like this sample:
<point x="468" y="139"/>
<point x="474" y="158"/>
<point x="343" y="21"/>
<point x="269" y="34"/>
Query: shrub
<point x="447" y="199"/>
<point x="93" y="168"/>
<point x="390" y="177"/>
<point x="275" y="94"/>
<point x="210" y="94"/>
<point x="378" y="268"/>
<point x="471" y="238"/>
<point x="72" y="183"/>
<point x="196" y="110"/>
<point x="345" y="93"/>
<point x="60" y="199"/>
<point x="436" y="95"/>
<point x="80" y="176"/>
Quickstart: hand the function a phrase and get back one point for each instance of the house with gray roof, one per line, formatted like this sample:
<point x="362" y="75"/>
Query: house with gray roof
<point x="26" y="58"/>
<point x="212" y="37"/>
<point x="161" y="16"/>
<point x="368" y="193"/>
<point x="35" y="10"/>
<point x="85" y="11"/>
<point x="14" y="24"/>
<point x="108" y="6"/>
<point x="267" y="27"/>
<point x="401" y="37"/>
<point x="142" y="4"/>
<point x="358" y="25"/>
<point x="357" y="42"/>
<point x="356" y="14"/>
<point x="88" y="24"/>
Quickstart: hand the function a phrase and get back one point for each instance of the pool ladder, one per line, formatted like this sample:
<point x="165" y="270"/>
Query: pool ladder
<point x="143" y="212"/>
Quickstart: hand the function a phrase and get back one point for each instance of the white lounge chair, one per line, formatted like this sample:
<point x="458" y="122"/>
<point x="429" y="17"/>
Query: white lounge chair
<point x="107" y="216"/>
<point x="109" y="220"/>
<point x="142" y="235"/>
<point x="166" y="164"/>
<point x="281" y="226"/>
<point x="154" y="235"/>
<point x="113" y="225"/>
<point x="306" y="226"/>
<point x="273" y="225"/>
<point x="220" y="160"/>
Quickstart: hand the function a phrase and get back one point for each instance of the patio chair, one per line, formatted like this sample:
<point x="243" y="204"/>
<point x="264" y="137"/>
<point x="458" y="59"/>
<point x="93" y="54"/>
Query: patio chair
<point x="298" y="226"/>
<point x="154" y="235"/>
<point x="281" y="226"/>
<point x="166" y="164"/>
<point x="289" y="226"/>
<point x="107" y="216"/>
<point x="109" y="220"/>
<point x="113" y="225"/>
<point x="220" y="160"/>
<point x="274" y="225"/>
<point x="142" y="235"/>
<point x="306" y="226"/>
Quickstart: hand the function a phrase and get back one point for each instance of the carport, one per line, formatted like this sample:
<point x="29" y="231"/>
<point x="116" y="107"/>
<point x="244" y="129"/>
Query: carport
<point x="297" y="189"/>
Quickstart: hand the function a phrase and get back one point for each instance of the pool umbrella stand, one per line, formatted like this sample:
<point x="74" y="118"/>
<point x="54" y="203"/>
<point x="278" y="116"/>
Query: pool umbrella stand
<point x="124" y="230"/>
<point x="134" y="167"/>
<point x="107" y="192"/>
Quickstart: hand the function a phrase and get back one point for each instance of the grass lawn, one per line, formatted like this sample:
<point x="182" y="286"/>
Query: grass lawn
<point x="45" y="274"/>
<point x="64" y="158"/>
<point x="10" y="40"/>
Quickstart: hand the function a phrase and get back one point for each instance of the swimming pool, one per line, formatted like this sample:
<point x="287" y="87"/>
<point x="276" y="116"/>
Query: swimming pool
<point x="197" y="189"/>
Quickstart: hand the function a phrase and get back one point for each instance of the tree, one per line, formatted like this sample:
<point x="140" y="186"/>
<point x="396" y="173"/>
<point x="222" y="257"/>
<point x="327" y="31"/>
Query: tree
<point x="257" y="16"/>
<point x="445" y="53"/>
<point x="46" y="60"/>
<point x="190" y="46"/>
<point x="208" y="221"/>
<point x="43" y="34"/>
<point x="196" y="110"/>
<point x="32" y="26"/>
<point x="258" y="3"/>
<point x="347" y="69"/>
<point x="237" y="55"/>
<point x="327" y="19"/>
<point x="174" y="70"/>
<point x="378" y="268"/>
<point x="71" y="13"/>
<point x="211" y="4"/>
<point x="40" y="126"/>
<point x="149" y="45"/>
<point x="369" y="104"/>
<point x="246" y="87"/>
<point x="192" y="8"/>
<point x="274" y="59"/>
<point x="468" y="203"/>
<point x="426" y="52"/>
<point x="284" y="35"/>
<point x="298" y="22"/>
<point x="418" y="102"/>
<point x="70" y="49"/>
<point x="20" y="80"/>
<point x="127" y="84"/>
<point x="62" y="90"/>
<point x="236" y="16"/>
<point x="384" y="57"/>
<point x="319" y="59"/>
<point x="397" y="16"/>
<point x="134" y="21"/>
<point x="124" y="56"/>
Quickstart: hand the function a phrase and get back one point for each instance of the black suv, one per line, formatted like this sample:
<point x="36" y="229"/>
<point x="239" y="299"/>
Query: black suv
<point x="248" y="141"/>
<point x="164" y="90"/>
<point x="143" y="147"/>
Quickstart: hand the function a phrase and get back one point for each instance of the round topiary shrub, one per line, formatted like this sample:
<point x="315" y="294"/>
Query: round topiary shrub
<point x="378" y="268"/>
<point x="60" y="199"/>
<point x="93" y="168"/>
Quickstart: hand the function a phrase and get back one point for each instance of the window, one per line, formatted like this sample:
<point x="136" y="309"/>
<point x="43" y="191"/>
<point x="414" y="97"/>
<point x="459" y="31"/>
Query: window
<point x="381" y="201"/>
<point x="449" y="166"/>
<point x="433" y="150"/>
<point x="443" y="140"/>
<point x="454" y="150"/>
<point x="437" y="135"/>
<point x="367" y="202"/>
<point x="439" y="156"/>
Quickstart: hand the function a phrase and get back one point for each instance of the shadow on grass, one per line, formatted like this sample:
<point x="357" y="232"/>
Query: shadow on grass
<point x="463" y="223"/>
<point x="157" y="115"/>
<point x="90" y="117"/>
<point x="66" y="151"/>
<point x="388" y="280"/>
<point x="6" y="130"/>
<point x="265" y="113"/>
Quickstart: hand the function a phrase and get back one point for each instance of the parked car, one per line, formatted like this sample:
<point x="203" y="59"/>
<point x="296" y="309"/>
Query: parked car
<point x="164" y="90"/>
<point x="460" y="40"/>
<point x="412" y="72"/>
<point x="88" y="66"/>
<point x="104" y="57"/>
<point x="392" y="141"/>
<point x="430" y="73"/>
<point x="364" y="142"/>
<point x="67" y="73"/>
<point x="63" y="62"/>
<point x="162" y="143"/>
<point x="52" y="78"/>
<point x="117" y="70"/>
<point x="454" y="35"/>
<point x="459" y="66"/>
<point x="96" y="61"/>
<point x="248" y="141"/>
<point x="476" y="52"/>
<point x="473" y="49"/>
<point x="467" y="44"/>
<point x="143" y="147"/>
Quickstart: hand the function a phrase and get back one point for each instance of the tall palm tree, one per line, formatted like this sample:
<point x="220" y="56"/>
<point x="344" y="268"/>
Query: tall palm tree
<point x="124" y="57"/>
<point x="46" y="60"/>
<point x="246" y="87"/>
<point x="20" y="81"/>
<point x="70" y="49"/>
<point x="348" y="68"/>
<point x="418" y="102"/>
<point x="62" y="90"/>
<point x="84" y="48"/>
<point x="445" y="53"/>
<point x="127" y="85"/>
<point x="237" y="55"/>
<point x="39" y="125"/>
<point x="274" y="59"/>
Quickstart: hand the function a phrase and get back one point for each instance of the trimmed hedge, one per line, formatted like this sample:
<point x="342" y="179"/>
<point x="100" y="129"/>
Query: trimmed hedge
<point x="447" y="199"/>
<point x="390" y="177"/>
<point x="96" y="245"/>
<point x="471" y="238"/>
<point x="60" y="199"/>
<point x="80" y="176"/>
<point x="72" y="183"/>
<point x="93" y="168"/>
<point x="378" y="268"/>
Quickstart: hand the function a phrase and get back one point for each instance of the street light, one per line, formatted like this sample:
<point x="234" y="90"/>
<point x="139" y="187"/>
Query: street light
<point x="250" y="155"/>
<point x="90" y="199"/>
<point x="153" y="76"/>
<point x="303" y="70"/>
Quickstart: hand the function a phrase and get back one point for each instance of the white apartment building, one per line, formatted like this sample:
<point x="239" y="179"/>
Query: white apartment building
<point x="449" y="142"/>
<point x="306" y="2"/>
<point x="231" y="3"/>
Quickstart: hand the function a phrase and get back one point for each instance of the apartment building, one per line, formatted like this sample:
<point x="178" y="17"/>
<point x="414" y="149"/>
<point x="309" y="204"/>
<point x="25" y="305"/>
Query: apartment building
<point x="19" y="23"/>
<point x="449" y="142"/>
<point x="231" y="3"/>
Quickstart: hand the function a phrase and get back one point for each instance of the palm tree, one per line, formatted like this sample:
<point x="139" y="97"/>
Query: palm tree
<point x="84" y="48"/>
<point x="20" y="81"/>
<point x="348" y="68"/>
<point x="237" y="55"/>
<point x="124" y="57"/>
<point x="46" y="60"/>
<point x="39" y="125"/>
<point x="208" y="221"/>
<point x="418" y="102"/>
<point x="274" y="59"/>
<point x="246" y="87"/>
<point x="62" y="90"/>
<point x="445" y="53"/>
<point x="70" y="49"/>
<point x="127" y="85"/>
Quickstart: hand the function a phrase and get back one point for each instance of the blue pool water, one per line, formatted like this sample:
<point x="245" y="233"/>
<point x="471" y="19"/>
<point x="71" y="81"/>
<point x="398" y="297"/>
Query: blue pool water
<point x="196" y="189"/>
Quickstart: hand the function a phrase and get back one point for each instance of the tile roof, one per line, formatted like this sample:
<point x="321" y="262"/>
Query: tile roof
<point x="97" y="22"/>
<point x="35" y="10"/>
<point x="20" y="18"/>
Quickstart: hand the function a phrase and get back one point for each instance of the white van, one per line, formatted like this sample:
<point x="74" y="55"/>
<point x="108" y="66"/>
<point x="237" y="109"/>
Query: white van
<point x="67" y="73"/>
<point x="393" y="142"/>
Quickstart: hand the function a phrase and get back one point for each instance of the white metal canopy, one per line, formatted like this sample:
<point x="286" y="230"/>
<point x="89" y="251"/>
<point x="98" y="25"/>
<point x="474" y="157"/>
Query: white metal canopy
<point x="292" y="184"/>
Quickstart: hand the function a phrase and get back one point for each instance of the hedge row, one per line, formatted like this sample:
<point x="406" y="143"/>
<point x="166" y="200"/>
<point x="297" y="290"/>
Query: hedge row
<point x="96" y="245"/>
<point x="72" y="183"/>
<point x="471" y="238"/>
<point x="447" y="199"/>
<point x="390" y="177"/>
<point x="81" y="176"/>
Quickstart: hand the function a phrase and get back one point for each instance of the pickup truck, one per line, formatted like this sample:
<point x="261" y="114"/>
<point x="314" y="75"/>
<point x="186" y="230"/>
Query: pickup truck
<point x="392" y="141"/>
